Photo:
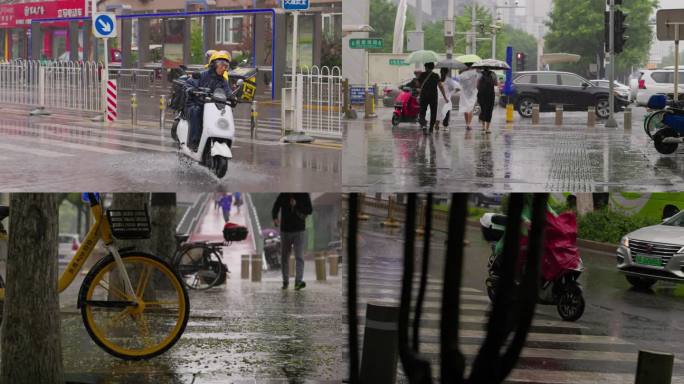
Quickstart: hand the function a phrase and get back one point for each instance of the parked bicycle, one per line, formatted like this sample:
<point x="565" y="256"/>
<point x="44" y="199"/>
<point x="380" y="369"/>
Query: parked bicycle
<point x="133" y="304"/>
<point x="200" y="263"/>
<point x="665" y="126"/>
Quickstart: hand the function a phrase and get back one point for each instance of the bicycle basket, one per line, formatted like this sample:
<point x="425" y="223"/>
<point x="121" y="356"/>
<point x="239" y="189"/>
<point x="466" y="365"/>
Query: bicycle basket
<point x="657" y="102"/>
<point x="234" y="232"/>
<point x="129" y="224"/>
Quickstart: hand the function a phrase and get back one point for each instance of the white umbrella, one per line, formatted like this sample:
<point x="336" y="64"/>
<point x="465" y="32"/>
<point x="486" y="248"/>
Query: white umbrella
<point x="492" y="64"/>
<point x="422" y="57"/>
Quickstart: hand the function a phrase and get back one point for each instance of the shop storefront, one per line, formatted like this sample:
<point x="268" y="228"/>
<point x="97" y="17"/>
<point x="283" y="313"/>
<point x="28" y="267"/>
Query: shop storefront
<point x="15" y="28"/>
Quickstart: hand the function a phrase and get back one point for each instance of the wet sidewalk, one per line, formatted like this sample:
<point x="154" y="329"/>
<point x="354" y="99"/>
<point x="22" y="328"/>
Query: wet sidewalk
<point x="513" y="157"/>
<point x="242" y="332"/>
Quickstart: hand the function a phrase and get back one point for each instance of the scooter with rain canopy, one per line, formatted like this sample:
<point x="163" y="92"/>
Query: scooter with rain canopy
<point x="218" y="133"/>
<point x="561" y="264"/>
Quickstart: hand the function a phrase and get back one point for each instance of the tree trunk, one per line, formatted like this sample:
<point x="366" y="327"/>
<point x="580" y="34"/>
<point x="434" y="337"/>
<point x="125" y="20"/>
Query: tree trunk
<point x="163" y="216"/>
<point x="585" y="203"/>
<point x="31" y="334"/>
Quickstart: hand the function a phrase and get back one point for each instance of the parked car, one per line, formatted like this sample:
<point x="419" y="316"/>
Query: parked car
<point x="621" y="89"/>
<point x="68" y="245"/>
<point x="653" y="253"/>
<point x="486" y="199"/>
<point x="657" y="81"/>
<point x="548" y="88"/>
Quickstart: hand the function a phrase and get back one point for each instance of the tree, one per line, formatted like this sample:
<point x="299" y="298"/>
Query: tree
<point x="31" y="334"/>
<point x="163" y="217"/>
<point x="521" y="41"/>
<point x="577" y="26"/>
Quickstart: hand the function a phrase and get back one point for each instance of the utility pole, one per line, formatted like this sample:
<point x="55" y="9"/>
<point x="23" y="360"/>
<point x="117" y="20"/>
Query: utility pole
<point x="473" y="30"/>
<point x="449" y="30"/>
<point x="611" y="123"/>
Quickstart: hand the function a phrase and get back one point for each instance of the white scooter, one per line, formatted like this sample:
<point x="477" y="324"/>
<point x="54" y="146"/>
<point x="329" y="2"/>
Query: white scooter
<point x="218" y="133"/>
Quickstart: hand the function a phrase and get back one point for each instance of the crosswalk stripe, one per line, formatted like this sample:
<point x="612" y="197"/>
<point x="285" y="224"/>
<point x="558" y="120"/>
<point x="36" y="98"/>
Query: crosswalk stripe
<point x="66" y="144"/>
<point x="566" y="354"/>
<point x="33" y="150"/>
<point x="103" y="139"/>
<point x="577" y="377"/>
<point x="532" y="336"/>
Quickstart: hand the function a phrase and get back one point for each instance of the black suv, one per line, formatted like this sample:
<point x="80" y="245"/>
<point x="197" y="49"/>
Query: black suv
<point x="549" y="88"/>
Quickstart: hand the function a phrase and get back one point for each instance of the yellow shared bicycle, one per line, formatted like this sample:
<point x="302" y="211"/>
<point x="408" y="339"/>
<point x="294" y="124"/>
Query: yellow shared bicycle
<point x="133" y="304"/>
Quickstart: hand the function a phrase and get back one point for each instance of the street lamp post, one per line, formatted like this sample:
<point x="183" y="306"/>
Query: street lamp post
<point x="611" y="123"/>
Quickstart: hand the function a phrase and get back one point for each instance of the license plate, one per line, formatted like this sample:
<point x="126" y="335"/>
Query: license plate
<point x="648" y="261"/>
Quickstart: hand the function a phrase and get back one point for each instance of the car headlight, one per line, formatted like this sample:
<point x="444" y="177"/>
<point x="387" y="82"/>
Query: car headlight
<point x="223" y="124"/>
<point x="625" y="241"/>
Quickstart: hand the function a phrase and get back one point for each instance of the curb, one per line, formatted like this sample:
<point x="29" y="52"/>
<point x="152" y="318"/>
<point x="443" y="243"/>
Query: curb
<point x="597" y="246"/>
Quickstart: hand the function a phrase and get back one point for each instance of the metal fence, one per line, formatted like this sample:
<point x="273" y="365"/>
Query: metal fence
<point x="318" y="97"/>
<point x="52" y="84"/>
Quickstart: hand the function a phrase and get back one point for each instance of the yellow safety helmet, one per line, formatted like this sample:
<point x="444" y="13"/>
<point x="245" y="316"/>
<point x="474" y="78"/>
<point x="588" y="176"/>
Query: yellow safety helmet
<point x="220" y="55"/>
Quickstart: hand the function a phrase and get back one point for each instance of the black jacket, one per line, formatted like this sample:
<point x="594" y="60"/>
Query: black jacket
<point x="292" y="218"/>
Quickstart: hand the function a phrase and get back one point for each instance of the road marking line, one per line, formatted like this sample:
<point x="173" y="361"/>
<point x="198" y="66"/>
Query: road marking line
<point x="33" y="151"/>
<point x="574" y="377"/>
<point x="65" y="144"/>
<point x="543" y="353"/>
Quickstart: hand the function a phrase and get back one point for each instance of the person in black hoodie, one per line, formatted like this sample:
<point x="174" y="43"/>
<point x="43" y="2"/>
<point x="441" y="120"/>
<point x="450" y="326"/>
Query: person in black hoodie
<point x="293" y="208"/>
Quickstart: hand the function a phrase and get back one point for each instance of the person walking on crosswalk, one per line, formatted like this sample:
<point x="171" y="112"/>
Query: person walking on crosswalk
<point x="289" y="214"/>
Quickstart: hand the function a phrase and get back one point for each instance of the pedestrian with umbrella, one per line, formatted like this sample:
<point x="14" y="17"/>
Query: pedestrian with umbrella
<point x="485" y="89"/>
<point x="468" y="79"/>
<point x="449" y="84"/>
<point x="429" y="85"/>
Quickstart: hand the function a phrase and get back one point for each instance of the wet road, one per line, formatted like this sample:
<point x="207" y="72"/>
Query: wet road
<point x="67" y="153"/>
<point x="242" y="332"/>
<point x="600" y="347"/>
<point x="516" y="157"/>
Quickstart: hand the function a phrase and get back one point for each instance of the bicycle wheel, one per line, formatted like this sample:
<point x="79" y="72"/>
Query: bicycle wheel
<point x="200" y="266"/>
<point x="126" y="330"/>
<point x="654" y="122"/>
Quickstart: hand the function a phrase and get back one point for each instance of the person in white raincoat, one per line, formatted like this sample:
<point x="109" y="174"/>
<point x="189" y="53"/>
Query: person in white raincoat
<point x="468" y="97"/>
<point x="443" y="107"/>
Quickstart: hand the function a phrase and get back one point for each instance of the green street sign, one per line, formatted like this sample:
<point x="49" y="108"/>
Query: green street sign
<point x="366" y="43"/>
<point x="398" y="62"/>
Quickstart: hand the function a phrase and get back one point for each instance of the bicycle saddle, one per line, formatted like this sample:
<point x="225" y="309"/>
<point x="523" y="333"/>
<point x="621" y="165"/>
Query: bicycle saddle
<point x="4" y="212"/>
<point x="182" y="237"/>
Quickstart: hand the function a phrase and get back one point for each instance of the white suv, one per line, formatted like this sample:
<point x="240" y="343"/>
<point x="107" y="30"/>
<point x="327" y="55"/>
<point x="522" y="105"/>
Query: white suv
<point x="657" y="81"/>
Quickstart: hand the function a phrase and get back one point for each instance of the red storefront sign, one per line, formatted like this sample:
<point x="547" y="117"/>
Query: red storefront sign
<point x="20" y="15"/>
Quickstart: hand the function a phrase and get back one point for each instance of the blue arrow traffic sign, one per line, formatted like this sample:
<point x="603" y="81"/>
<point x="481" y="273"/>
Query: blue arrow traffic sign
<point x="104" y="25"/>
<point x="296" y="5"/>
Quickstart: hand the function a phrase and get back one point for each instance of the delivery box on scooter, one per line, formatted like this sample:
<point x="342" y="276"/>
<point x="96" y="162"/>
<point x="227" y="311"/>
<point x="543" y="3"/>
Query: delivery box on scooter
<point x="249" y="78"/>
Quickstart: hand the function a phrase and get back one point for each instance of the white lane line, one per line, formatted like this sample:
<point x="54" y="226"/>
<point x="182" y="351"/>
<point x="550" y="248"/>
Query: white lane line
<point x="102" y="139"/>
<point x="66" y="144"/>
<point x="574" y="377"/>
<point x="541" y="353"/>
<point x="33" y="151"/>
<point x="481" y="319"/>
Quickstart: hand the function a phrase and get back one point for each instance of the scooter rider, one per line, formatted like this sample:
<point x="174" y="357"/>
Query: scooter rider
<point x="212" y="78"/>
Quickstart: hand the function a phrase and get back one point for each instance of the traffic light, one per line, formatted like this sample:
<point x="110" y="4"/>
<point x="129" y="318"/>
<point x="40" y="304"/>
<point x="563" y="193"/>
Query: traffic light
<point x="520" y="61"/>
<point x="620" y="29"/>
